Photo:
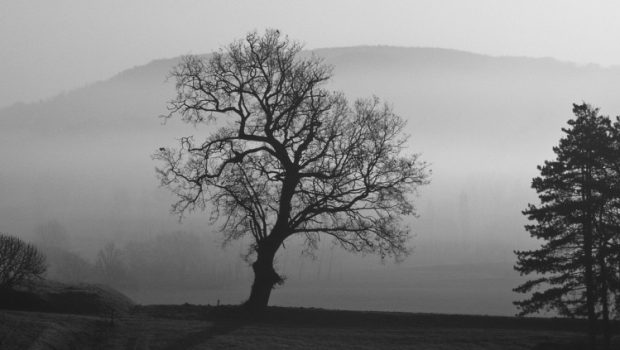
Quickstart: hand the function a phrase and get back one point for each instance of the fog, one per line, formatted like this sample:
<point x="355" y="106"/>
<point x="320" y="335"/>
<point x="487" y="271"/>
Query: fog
<point x="48" y="47"/>
<point x="78" y="180"/>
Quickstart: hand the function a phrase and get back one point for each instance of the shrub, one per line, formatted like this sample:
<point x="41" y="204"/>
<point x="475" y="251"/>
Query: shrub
<point x="19" y="261"/>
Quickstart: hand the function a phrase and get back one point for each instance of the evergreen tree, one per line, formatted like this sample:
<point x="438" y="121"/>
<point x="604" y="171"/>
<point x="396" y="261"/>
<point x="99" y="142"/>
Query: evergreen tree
<point x="608" y="236"/>
<point x="574" y="220"/>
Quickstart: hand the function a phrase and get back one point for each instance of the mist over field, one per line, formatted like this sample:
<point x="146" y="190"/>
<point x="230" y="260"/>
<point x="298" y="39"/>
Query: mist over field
<point x="78" y="175"/>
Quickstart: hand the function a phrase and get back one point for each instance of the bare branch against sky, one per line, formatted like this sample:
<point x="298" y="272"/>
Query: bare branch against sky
<point x="52" y="46"/>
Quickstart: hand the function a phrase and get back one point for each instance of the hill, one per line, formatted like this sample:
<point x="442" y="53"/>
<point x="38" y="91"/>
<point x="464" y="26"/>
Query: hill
<point x="483" y="123"/>
<point x="50" y="296"/>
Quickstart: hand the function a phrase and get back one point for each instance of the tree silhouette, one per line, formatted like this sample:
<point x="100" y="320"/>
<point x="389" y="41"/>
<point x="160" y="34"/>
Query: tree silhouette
<point x="577" y="219"/>
<point x="291" y="158"/>
<point x="19" y="261"/>
<point x="111" y="266"/>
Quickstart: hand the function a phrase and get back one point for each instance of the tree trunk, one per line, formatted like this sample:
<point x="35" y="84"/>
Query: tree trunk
<point x="606" y="325"/>
<point x="590" y="300"/>
<point x="265" y="279"/>
<point x="588" y="262"/>
<point x="605" y="300"/>
<point x="265" y="276"/>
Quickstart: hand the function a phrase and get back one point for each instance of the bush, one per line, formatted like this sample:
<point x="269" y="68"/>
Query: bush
<point x="19" y="261"/>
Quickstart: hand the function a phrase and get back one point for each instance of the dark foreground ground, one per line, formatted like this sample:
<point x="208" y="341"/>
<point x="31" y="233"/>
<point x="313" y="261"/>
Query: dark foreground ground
<point x="207" y="327"/>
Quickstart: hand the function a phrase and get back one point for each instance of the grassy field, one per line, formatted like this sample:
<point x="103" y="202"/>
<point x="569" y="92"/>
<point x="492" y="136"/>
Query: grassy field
<point x="203" y="327"/>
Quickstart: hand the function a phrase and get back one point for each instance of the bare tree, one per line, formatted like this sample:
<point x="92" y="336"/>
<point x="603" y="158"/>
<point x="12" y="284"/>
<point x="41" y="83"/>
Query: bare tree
<point x="110" y="265"/>
<point x="292" y="159"/>
<point x="19" y="261"/>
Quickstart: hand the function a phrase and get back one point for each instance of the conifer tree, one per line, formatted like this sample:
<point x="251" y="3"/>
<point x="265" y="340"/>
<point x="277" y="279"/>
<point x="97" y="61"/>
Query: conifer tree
<point x="574" y="219"/>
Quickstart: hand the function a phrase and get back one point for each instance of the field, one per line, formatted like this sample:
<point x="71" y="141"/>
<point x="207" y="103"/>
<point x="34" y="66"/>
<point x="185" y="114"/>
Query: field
<point x="209" y="327"/>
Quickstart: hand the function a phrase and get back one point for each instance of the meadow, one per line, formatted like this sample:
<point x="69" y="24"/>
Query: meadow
<point x="225" y="327"/>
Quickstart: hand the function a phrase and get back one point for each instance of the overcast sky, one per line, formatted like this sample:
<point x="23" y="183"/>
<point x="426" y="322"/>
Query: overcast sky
<point x="50" y="46"/>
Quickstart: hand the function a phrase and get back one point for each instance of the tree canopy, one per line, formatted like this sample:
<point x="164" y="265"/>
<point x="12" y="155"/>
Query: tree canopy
<point x="290" y="158"/>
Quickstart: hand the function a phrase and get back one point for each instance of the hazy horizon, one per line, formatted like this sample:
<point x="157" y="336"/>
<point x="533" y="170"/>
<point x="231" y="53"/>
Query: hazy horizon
<point x="54" y="47"/>
<point x="148" y="62"/>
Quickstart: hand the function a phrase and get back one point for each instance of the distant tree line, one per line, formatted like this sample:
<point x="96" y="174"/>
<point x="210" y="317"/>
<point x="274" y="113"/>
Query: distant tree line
<point x="173" y="260"/>
<point x="168" y="260"/>
<point x="576" y="270"/>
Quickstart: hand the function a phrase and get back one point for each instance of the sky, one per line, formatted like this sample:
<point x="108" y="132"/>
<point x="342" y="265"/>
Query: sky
<point x="51" y="46"/>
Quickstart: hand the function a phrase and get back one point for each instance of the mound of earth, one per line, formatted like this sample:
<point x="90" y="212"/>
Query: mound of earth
<point x="50" y="296"/>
